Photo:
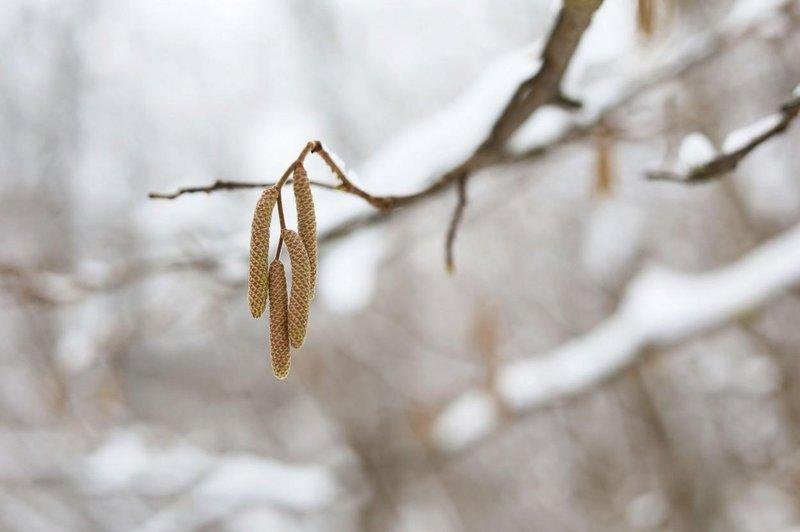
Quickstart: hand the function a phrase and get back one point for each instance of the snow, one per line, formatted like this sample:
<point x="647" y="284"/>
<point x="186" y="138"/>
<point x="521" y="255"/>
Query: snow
<point x="351" y="175"/>
<point x="660" y="307"/>
<point x="336" y="159"/>
<point x="129" y="462"/>
<point x="251" y="479"/>
<point x="695" y="150"/>
<point x="535" y="381"/>
<point x="739" y="138"/>
<point x="543" y="128"/>
<point x="125" y="462"/>
<point x="419" y="152"/>
<point x="796" y="91"/>
<point x="467" y="419"/>
<point x="240" y="482"/>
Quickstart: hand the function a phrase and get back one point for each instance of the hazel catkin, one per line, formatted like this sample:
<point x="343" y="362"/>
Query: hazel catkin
<point x="300" y="296"/>
<point x="306" y="219"/>
<point x="278" y="323"/>
<point x="259" y="249"/>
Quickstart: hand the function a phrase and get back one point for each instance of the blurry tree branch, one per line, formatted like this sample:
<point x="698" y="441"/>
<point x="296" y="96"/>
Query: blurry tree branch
<point x="727" y="161"/>
<point x="719" y="41"/>
<point x="660" y="308"/>
<point x="47" y="287"/>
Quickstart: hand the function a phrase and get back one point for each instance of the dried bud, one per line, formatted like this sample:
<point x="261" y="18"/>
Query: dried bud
<point x="301" y="288"/>
<point x="259" y="252"/>
<point x="306" y="219"/>
<point x="278" y="326"/>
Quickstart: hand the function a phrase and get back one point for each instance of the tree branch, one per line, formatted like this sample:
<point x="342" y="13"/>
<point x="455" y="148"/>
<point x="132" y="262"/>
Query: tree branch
<point x="718" y="43"/>
<point x="660" y="308"/>
<point x="541" y="89"/>
<point x="226" y="185"/>
<point x="726" y="162"/>
<point x="455" y="222"/>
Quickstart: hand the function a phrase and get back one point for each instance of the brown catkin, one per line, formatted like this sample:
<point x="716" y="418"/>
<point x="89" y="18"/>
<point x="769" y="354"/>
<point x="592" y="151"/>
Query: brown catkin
<point x="306" y="219"/>
<point x="278" y="326"/>
<point x="259" y="252"/>
<point x="301" y="288"/>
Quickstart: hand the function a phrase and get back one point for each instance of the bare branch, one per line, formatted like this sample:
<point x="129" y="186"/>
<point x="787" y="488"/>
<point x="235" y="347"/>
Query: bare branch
<point x="227" y="185"/>
<point x="455" y="222"/>
<point x="728" y="161"/>
<point x="237" y="185"/>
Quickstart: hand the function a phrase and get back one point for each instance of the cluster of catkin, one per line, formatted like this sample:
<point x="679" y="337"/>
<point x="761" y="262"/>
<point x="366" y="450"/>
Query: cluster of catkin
<point x="288" y="312"/>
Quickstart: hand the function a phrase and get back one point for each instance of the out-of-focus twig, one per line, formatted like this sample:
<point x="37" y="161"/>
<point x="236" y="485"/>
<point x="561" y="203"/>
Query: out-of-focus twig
<point x="728" y="161"/>
<point x="44" y="286"/>
<point x="455" y="221"/>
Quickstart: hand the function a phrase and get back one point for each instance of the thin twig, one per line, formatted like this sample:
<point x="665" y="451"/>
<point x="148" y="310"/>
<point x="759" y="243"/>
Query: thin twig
<point x="728" y="161"/>
<point x="346" y="185"/>
<point x="228" y="185"/>
<point x="455" y="222"/>
<point x="238" y="185"/>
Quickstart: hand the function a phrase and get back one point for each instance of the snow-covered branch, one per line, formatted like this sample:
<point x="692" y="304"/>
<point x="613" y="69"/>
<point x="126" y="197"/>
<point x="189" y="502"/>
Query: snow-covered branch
<point x="540" y="88"/>
<point x="431" y="145"/>
<point x="661" y="307"/>
<point x="702" y="163"/>
<point x="204" y="487"/>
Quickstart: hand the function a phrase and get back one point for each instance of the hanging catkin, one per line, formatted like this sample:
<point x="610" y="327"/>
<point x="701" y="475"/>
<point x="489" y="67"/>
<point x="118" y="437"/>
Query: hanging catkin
<point x="278" y="326"/>
<point x="259" y="250"/>
<point x="301" y="288"/>
<point x="306" y="219"/>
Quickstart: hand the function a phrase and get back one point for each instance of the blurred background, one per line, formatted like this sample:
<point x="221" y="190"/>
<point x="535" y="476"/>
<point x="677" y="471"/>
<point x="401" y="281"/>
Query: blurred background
<point x="135" y="388"/>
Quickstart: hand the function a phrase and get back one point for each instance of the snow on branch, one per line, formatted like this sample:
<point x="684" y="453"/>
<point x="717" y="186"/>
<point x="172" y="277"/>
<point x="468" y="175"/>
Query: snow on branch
<point x="432" y="145"/>
<point x="661" y="307"/>
<point x="541" y="88"/>
<point x="422" y="145"/>
<point x="737" y="145"/>
<point x="203" y="487"/>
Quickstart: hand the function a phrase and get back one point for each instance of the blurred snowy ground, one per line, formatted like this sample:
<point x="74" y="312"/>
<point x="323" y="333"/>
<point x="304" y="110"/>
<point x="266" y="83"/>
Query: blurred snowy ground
<point x="135" y="392"/>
